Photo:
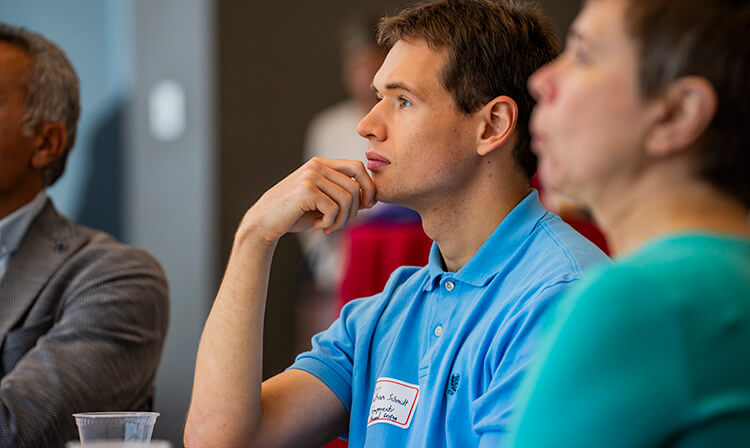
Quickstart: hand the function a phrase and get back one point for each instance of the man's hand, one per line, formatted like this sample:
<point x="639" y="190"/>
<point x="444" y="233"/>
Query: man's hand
<point x="322" y="193"/>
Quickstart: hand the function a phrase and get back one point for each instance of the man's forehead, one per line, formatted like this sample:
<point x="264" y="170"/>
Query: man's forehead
<point x="411" y="63"/>
<point x="14" y="60"/>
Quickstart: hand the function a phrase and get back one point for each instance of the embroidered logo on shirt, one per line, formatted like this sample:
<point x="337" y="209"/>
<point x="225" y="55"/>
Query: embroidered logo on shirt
<point x="393" y="402"/>
<point x="453" y="383"/>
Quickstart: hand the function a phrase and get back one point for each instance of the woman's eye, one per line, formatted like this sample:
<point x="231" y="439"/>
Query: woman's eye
<point x="581" y="57"/>
<point x="579" y="53"/>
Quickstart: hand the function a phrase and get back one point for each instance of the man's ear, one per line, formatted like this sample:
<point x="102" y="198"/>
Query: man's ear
<point x="686" y="111"/>
<point x="498" y="122"/>
<point x="49" y="142"/>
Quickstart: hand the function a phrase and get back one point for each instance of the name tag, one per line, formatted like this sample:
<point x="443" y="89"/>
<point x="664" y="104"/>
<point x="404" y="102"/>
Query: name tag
<point x="393" y="402"/>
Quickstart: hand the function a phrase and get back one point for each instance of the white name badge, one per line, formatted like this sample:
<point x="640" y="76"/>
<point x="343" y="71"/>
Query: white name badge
<point x="393" y="402"/>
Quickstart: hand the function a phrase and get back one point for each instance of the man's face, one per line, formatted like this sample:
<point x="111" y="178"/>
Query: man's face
<point x="422" y="147"/>
<point x="590" y="124"/>
<point x="16" y="149"/>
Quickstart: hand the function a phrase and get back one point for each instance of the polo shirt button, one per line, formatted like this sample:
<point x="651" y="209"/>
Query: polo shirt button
<point x="449" y="285"/>
<point x="438" y="331"/>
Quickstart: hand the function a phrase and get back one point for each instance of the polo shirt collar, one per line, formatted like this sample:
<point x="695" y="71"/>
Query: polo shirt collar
<point x="13" y="227"/>
<point x="496" y="252"/>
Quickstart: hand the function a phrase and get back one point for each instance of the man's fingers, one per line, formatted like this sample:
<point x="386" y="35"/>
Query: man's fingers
<point x="356" y="169"/>
<point x="347" y="183"/>
<point x="327" y="207"/>
<point x="340" y="195"/>
<point x="343" y="200"/>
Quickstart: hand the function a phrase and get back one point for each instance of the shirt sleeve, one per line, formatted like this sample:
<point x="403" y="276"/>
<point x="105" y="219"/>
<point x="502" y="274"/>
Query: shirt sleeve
<point x="331" y="358"/>
<point x="492" y="411"/>
<point x="609" y="373"/>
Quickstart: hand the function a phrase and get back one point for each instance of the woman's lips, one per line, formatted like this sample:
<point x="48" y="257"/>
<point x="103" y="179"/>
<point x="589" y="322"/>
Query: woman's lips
<point x="537" y="140"/>
<point x="375" y="161"/>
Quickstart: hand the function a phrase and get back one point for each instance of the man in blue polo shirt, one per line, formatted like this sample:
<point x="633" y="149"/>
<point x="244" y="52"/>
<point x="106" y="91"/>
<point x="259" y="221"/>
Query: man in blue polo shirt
<point x="435" y="359"/>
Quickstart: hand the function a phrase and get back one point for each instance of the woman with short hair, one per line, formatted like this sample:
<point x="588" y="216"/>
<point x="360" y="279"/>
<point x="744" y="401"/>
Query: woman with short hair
<point x="645" y="119"/>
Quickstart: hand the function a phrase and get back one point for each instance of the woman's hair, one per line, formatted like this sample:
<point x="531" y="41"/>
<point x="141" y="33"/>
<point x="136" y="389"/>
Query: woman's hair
<point x="705" y="38"/>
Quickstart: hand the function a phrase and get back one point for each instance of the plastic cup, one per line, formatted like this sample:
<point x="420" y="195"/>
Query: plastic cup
<point x="119" y="444"/>
<point x="116" y="426"/>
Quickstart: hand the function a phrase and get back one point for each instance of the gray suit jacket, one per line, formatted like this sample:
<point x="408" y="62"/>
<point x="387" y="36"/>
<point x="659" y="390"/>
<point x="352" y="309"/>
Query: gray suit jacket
<point x="82" y="324"/>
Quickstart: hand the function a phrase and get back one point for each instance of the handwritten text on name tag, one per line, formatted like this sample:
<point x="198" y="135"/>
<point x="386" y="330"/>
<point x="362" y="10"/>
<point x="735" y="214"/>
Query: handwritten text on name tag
<point x="393" y="402"/>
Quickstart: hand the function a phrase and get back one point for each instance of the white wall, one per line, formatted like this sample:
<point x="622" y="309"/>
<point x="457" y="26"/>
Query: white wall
<point x="170" y="185"/>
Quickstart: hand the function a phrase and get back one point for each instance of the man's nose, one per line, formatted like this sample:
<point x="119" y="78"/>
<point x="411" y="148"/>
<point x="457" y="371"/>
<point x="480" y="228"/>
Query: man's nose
<point x="371" y="125"/>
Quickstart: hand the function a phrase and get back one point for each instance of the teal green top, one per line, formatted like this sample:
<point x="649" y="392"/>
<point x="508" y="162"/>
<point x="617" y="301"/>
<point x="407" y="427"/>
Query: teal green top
<point x="652" y="351"/>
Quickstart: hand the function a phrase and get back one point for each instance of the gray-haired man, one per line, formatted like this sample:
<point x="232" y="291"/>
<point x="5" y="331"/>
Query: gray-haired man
<point x="82" y="317"/>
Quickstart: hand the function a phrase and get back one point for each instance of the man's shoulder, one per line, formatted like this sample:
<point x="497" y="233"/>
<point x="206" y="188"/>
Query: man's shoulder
<point x="565" y="252"/>
<point x="550" y="260"/>
<point x="405" y="277"/>
<point x="103" y="246"/>
<point x="81" y="246"/>
<point x="61" y="265"/>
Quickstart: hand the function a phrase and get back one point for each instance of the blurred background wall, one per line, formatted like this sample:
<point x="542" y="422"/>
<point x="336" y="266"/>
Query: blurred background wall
<point x="191" y="110"/>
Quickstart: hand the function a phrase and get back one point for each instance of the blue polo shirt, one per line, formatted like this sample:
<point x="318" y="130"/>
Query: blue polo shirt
<point x="436" y="358"/>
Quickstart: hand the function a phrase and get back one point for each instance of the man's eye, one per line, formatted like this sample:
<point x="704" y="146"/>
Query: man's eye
<point x="403" y="102"/>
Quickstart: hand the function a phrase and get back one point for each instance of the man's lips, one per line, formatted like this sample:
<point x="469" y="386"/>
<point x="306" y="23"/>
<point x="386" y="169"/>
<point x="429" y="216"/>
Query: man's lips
<point x="375" y="161"/>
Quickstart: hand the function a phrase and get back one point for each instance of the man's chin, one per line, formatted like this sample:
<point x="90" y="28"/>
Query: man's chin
<point x="388" y="197"/>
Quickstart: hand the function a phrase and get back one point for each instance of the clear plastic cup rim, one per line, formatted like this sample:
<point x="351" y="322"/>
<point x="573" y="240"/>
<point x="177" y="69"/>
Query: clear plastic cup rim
<point x="118" y="444"/>
<point x="115" y="418"/>
<point x="116" y="414"/>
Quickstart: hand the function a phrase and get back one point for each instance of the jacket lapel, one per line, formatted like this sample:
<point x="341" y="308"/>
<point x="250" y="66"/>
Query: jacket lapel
<point x="48" y="242"/>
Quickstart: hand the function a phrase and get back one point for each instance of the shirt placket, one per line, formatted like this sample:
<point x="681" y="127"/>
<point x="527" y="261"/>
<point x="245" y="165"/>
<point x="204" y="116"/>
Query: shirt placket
<point x="446" y="298"/>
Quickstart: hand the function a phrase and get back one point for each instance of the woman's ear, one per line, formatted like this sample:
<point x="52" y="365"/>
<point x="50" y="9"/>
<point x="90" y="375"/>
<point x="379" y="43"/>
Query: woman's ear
<point x="498" y="121"/>
<point x="688" y="107"/>
<point x="49" y="141"/>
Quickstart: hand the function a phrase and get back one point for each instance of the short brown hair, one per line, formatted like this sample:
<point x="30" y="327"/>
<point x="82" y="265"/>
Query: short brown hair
<point x="705" y="38"/>
<point x="493" y="48"/>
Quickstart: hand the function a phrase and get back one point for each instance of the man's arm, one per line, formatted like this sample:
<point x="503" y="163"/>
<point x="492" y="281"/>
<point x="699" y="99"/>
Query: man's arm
<point x="229" y="406"/>
<point x="100" y="353"/>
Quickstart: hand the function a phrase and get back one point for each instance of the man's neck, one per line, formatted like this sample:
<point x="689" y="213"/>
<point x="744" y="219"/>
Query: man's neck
<point x="461" y="224"/>
<point x="19" y="196"/>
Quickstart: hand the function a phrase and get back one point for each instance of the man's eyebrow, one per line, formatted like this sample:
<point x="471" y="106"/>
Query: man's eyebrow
<point x="397" y="86"/>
